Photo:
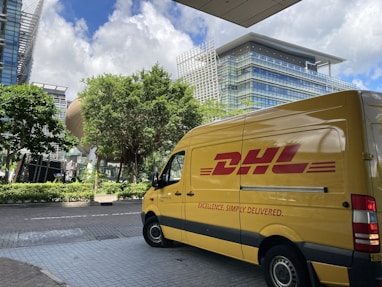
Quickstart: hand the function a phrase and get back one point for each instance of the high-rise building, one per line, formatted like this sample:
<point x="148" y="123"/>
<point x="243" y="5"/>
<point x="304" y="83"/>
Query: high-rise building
<point x="58" y="94"/>
<point x="18" y="31"/>
<point x="198" y="67"/>
<point x="255" y="72"/>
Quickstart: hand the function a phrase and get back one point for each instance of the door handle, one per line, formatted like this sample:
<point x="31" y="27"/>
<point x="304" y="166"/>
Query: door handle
<point x="178" y="193"/>
<point x="190" y="193"/>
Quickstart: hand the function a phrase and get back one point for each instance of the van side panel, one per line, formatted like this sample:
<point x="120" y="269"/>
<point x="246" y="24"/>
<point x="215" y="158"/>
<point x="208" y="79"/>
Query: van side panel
<point x="294" y="183"/>
<point x="292" y="180"/>
<point x="293" y="172"/>
<point x="208" y="223"/>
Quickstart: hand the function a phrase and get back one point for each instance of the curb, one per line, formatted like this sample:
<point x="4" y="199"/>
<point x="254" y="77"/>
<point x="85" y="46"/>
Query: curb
<point x="54" y="278"/>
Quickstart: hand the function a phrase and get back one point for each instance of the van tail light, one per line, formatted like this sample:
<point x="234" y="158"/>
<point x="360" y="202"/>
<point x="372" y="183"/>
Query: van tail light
<point x="365" y="224"/>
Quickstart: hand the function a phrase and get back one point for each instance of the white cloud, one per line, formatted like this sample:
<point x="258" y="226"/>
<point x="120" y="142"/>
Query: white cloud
<point x="360" y="84"/>
<point x="130" y="43"/>
<point x="347" y="29"/>
<point x="377" y="73"/>
<point x="61" y="50"/>
<point x="124" y="45"/>
<point x="159" y="31"/>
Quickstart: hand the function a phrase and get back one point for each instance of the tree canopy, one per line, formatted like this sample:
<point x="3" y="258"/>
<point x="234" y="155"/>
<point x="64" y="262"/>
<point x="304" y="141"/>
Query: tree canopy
<point x="128" y="118"/>
<point x="213" y="110"/>
<point x="28" y="120"/>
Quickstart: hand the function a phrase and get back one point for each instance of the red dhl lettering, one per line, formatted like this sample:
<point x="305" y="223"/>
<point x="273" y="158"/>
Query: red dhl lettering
<point x="277" y="160"/>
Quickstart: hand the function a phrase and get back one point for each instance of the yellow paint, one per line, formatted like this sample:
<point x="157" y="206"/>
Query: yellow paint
<point x="286" y="172"/>
<point x="331" y="275"/>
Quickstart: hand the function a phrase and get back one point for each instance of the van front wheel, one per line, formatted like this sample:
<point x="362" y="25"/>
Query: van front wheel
<point x="152" y="232"/>
<point x="283" y="267"/>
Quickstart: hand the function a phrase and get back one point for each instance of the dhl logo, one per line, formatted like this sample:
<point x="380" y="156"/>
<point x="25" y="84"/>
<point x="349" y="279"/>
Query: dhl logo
<point x="277" y="159"/>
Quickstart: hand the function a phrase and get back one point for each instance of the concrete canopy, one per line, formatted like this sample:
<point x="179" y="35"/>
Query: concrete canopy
<point x="242" y="12"/>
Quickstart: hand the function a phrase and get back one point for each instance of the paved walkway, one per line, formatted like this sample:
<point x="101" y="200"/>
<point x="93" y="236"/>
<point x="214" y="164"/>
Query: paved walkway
<point x="123" y="262"/>
<point x="91" y="257"/>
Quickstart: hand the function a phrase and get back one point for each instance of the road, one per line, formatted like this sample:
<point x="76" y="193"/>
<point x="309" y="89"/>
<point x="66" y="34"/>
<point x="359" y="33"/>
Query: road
<point x="31" y="226"/>
<point x="103" y="246"/>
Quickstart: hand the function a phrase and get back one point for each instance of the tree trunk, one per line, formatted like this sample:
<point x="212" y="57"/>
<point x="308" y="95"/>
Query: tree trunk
<point x="96" y="176"/>
<point x="135" y="169"/>
<point x="7" y="166"/>
<point x="119" y="171"/>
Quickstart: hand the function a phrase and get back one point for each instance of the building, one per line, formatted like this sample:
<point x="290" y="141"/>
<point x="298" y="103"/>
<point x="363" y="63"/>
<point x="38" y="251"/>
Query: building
<point x="198" y="67"/>
<point x="18" y="31"/>
<point x="59" y="97"/>
<point x="256" y="71"/>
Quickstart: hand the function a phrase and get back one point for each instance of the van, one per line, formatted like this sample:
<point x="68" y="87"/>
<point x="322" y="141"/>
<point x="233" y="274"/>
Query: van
<point x="296" y="189"/>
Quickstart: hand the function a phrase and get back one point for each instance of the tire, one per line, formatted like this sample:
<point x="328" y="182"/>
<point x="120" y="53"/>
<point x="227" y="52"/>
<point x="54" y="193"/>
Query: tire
<point x="284" y="267"/>
<point x="152" y="232"/>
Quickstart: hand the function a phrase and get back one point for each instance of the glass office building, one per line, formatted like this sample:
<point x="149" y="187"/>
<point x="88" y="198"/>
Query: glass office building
<point x="255" y="72"/>
<point x="58" y="93"/>
<point x="18" y="30"/>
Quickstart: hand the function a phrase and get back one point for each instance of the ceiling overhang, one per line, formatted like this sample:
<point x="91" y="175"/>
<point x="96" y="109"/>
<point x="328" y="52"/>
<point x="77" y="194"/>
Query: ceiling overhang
<point x="242" y="12"/>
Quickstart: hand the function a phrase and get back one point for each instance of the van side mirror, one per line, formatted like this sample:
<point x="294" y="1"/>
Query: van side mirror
<point x="155" y="180"/>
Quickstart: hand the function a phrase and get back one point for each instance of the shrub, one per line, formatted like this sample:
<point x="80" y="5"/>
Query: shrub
<point x="134" y="190"/>
<point x="45" y="192"/>
<point x="69" y="192"/>
<point x="111" y="188"/>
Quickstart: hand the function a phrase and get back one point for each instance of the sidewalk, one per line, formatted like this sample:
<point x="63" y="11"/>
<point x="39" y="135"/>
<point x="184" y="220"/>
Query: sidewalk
<point x="19" y="274"/>
<point x="15" y="273"/>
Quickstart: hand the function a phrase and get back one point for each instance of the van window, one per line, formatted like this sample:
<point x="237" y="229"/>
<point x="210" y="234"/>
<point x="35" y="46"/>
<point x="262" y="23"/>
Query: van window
<point x="377" y="131"/>
<point x="376" y="171"/>
<point x="173" y="170"/>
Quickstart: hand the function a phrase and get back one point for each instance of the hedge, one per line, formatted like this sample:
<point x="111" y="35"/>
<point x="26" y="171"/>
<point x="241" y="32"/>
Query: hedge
<point x="71" y="192"/>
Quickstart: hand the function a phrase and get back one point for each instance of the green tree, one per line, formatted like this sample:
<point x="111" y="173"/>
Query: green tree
<point x="28" y="120"/>
<point x="128" y="118"/>
<point x="214" y="110"/>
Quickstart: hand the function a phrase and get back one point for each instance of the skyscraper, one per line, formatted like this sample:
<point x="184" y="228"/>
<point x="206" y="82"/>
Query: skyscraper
<point x="18" y="30"/>
<point x="256" y="71"/>
<point x="59" y="97"/>
<point x="198" y="67"/>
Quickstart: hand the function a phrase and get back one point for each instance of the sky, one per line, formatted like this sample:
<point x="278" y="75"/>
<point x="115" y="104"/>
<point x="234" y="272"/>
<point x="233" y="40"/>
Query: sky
<point x="82" y="39"/>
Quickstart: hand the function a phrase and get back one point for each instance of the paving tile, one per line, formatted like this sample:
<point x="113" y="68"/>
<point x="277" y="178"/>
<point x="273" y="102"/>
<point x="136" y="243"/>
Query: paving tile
<point x="131" y="262"/>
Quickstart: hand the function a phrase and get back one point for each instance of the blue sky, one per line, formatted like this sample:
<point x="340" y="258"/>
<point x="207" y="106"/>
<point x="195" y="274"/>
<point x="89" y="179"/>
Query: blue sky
<point x="95" y="14"/>
<point x="98" y="13"/>
<point x="77" y="40"/>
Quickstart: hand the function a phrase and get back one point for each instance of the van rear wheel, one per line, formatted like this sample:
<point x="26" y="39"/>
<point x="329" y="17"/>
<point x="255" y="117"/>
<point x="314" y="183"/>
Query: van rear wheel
<point x="284" y="267"/>
<point x="152" y="232"/>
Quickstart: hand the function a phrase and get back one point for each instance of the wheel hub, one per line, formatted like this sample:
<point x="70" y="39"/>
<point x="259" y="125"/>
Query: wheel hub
<point x="155" y="233"/>
<point x="283" y="273"/>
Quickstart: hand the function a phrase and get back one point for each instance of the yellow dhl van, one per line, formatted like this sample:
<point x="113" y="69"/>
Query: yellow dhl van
<point x="295" y="188"/>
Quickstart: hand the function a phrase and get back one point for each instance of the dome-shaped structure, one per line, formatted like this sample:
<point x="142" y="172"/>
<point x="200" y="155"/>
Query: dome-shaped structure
<point x="73" y="119"/>
<point x="73" y="122"/>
